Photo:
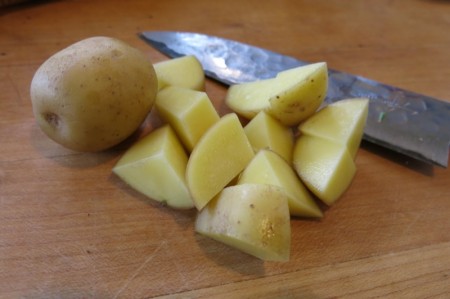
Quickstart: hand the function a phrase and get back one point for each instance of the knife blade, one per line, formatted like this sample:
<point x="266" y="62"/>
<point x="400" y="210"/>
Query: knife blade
<point x="412" y="124"/>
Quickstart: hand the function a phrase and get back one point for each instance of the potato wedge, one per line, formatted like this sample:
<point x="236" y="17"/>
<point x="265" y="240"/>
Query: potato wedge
<point x="220" y="155"/>
<point x="269" y="168"/>
<point x="155" y="166"/>
<point x="253" y="218"/>
<point x="185" y="71"/>
<point x="265" y="132"/>
<point x="341" y="122"/>
<point x="189" y="112"/>
<point x="290" y="97"/>
<point x="326" y="167"/>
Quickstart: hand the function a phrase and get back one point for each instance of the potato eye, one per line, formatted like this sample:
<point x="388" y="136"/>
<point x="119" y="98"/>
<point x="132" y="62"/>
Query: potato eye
<point x="52" y="118"/>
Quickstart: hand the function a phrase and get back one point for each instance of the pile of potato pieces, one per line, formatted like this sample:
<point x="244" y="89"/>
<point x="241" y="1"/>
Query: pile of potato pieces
<point x="247" y="181"/>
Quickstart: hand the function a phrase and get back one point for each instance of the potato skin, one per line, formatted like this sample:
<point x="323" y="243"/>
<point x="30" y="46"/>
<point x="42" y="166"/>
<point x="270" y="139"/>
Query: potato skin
<point x="93" y="94"/>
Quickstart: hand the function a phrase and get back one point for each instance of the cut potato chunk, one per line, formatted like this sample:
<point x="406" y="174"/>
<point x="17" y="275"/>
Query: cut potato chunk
<point x="341" y="122"/>
<point x="269" y="168"/>
<point x="220" y="155"/>
<point x="189" y="112"/>
<point x="155" y="166"/>
<point x="185" y="71"/>
<point x="253" y="218"/>
<point x="326" y="167"/>
<point x="263" y="131"/>
<point x="290" y="97"/>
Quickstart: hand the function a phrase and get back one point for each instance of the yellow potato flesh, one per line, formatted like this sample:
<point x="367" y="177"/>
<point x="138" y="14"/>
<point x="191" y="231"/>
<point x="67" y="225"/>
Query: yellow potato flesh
<point x="185" y="71"/>
<point x="269" y="168"/>
<point x="290" y="97"/>
<point x="220" y="155"/>
<point x="248" y="99"/>
<point x="342" y="122"/>
<point x="155" y="166"/>
<point x="325" y="167"/>
<point x="189" y="112"/>
<point x="263" y="131"/>
<point x="253" y="218"/>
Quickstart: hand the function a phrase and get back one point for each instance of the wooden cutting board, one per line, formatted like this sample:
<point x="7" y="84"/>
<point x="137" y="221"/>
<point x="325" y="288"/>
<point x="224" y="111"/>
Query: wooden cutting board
<point x="69" y="228"/>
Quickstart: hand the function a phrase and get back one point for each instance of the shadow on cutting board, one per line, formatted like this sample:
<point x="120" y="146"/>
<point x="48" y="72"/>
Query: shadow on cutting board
<point x="398" y="158"/>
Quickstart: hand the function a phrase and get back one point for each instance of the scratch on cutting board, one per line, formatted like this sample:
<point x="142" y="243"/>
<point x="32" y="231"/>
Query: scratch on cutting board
<point x="135" y="273"/>
<point x="16" y="89"/>
<point x="184" y="280"/>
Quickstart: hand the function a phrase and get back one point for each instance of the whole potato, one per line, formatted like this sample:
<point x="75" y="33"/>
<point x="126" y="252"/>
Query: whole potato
<point x="93" y="94"/>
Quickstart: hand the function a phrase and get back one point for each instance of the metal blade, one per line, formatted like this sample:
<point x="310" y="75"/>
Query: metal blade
<point x="410" y="123"/>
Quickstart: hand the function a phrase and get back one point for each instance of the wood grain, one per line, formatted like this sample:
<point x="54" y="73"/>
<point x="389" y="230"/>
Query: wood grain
<point x="70" y="229"/>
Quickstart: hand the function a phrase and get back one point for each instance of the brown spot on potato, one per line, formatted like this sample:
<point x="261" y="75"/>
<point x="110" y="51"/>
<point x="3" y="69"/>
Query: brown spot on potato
<point x="267" y="231"/>
<point x="52" y="118"/>
<point x="116" y="53"/>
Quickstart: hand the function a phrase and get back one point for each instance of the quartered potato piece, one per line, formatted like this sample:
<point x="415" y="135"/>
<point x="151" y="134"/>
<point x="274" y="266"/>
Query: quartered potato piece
<point x="290" y="97"/>
<point x="220" y="155"/>
<point x="156" y="166"/>
<point x="253" y="218"/>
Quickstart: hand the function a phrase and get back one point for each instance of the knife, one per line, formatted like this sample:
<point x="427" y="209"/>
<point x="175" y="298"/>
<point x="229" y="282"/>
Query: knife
<point x="404" y="121"/>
